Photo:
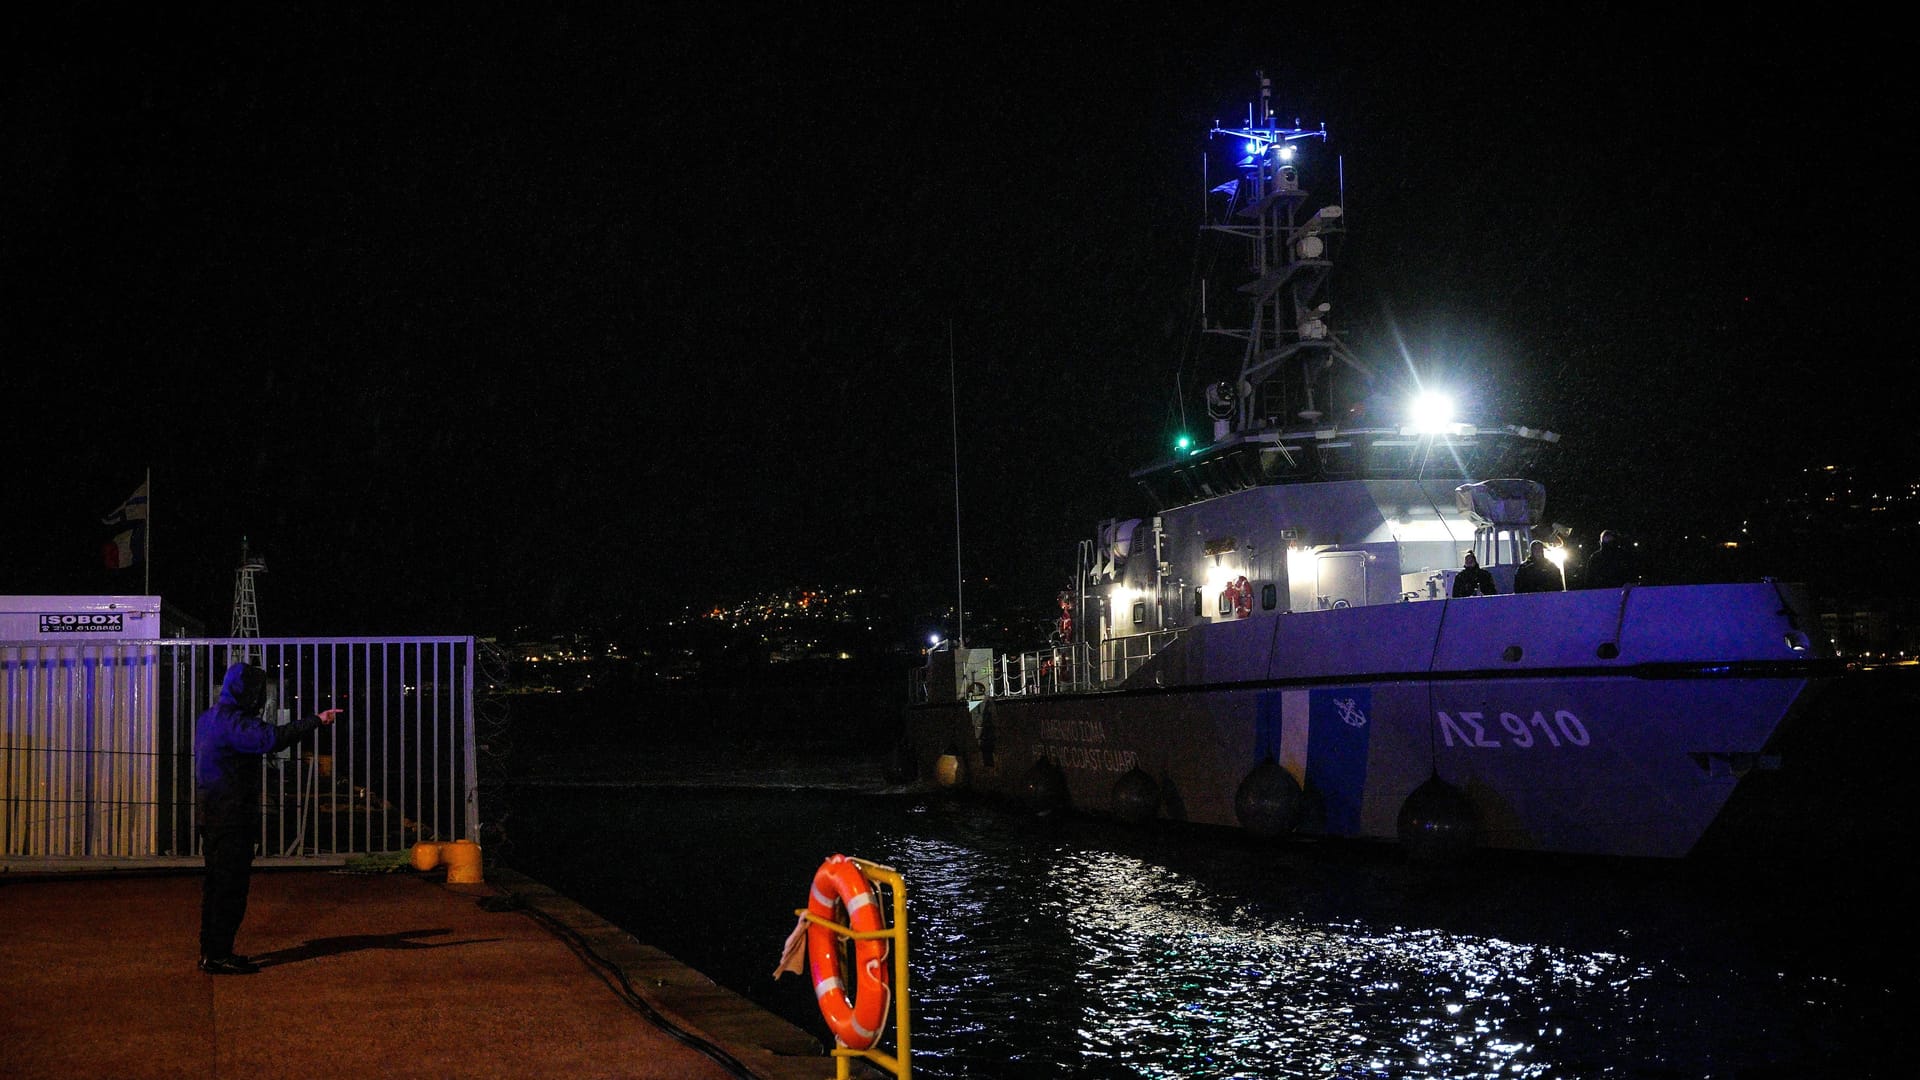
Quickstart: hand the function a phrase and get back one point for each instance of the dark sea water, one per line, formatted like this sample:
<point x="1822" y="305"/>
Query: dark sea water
<point x="1072" y="946"/>
<point x="1044" y="947"/>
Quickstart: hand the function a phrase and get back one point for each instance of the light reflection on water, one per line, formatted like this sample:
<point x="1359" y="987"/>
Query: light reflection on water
<point x="1083" y="949"/>
<point x="1163" y="986"/>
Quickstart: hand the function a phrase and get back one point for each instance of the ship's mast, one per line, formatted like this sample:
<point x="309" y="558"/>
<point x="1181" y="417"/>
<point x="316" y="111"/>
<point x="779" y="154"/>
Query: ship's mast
<point x="1302" y="408"/>
<point x="1288" y="251"/>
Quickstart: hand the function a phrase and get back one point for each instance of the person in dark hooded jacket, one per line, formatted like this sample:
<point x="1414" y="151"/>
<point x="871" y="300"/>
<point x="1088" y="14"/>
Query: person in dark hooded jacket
<point x="1473" y="579"/>
<point x="1611" y="566"/>
<point x="229" y="741"/>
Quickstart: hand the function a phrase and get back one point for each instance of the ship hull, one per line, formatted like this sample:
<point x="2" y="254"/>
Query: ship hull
<point x="1616" y="722"/>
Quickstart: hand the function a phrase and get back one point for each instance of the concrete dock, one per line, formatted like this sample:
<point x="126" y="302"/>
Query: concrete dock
<point x="396" y="974"/>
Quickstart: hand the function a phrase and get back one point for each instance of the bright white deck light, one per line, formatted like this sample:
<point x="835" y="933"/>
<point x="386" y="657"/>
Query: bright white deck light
<point x="1431" y="413"/>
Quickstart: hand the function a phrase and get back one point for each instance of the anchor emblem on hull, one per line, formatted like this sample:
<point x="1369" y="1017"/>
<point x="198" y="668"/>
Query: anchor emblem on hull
<point x="1350" y="712"/>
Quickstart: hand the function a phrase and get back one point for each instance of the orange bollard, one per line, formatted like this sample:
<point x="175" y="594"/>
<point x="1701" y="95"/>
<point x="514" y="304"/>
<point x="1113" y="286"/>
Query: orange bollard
<point x="462" y="859"/>
<point x="463" y="862"/>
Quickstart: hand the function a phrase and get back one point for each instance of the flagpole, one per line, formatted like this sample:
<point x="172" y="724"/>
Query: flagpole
<point x="959" y="576"/>
<point x="146" y="557"/>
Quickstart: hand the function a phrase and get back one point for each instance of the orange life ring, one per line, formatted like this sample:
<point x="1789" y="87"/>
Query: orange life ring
<point x="857" y="1023"/>
<point x="1240" y="593"/>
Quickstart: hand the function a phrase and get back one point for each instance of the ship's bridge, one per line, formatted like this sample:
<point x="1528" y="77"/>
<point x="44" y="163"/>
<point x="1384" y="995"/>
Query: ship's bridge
<point x="1244" y="460"/>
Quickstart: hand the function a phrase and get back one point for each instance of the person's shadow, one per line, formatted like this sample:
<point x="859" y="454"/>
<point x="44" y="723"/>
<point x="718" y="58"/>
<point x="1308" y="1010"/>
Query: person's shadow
<point x="334" y="946"/>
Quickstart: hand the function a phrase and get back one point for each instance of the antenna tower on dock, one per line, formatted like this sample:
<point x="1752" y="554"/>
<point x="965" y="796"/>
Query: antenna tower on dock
<point x="246" y="607"/>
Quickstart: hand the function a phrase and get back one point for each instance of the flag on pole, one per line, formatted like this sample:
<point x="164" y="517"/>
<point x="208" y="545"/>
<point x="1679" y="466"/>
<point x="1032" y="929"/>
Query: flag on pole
<point x="120" y="552"/>
<point x="134" y="509"/>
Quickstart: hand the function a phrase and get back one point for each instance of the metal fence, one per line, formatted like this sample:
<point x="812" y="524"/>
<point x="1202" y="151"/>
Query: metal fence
<point x="96" y="745"/>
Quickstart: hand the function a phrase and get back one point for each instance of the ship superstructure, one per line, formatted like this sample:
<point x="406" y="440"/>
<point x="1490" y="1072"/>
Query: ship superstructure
<point x="1276" y="646"/>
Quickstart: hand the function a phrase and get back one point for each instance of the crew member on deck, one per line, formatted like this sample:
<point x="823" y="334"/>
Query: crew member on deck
<point x="1539" y="573"/>
<point x="1473" y="579"/>
<point x="1611" y="564"/>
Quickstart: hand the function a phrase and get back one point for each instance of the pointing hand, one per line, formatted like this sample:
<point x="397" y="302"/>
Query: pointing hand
<point x="327" y="716"/>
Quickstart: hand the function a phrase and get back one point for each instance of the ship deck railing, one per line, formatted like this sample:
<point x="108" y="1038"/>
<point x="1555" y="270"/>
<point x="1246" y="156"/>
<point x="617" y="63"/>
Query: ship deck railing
<point x="1120" y="657"/>
<point x="1058" y="669"/>
<point x="1063" y="669"/>
<point x="1068" y="668"/>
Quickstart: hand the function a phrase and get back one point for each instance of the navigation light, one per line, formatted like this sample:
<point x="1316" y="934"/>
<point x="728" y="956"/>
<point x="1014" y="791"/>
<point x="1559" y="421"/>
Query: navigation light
<point x="1183" y="443"/>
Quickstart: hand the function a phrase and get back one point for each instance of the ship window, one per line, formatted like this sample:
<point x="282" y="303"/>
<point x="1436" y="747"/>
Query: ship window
<point x="1198" y="603"/>
<point x="1139" y="612"/>
<point x="1226" y="602"/>
<point x="1269" y="596"/>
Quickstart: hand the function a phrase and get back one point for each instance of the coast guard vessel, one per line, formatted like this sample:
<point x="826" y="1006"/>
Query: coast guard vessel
<point x="1276" y="646"/>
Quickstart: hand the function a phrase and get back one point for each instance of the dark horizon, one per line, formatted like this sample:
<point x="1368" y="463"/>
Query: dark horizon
<point x="539" y="315"/>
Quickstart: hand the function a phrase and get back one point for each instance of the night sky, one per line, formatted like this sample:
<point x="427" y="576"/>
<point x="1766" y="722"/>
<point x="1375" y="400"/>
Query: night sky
<point x="468" y="316"/>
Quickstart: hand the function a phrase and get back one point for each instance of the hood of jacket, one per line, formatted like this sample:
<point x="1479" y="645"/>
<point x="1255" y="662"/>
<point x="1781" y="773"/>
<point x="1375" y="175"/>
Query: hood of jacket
<point x="244" y="688"/>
